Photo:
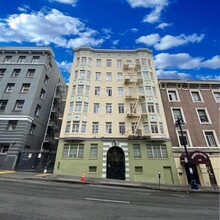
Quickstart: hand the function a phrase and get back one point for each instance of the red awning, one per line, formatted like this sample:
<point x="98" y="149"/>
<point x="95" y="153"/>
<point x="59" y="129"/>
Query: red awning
<point x="195" y="157"/>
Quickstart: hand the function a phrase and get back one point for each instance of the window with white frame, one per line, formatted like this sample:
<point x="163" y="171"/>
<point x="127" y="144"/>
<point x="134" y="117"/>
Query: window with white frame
<point x="73" y="151"/>
<point x="78" y="107"/>
<point x="82" y="74"/>
<point x="184" y="139"/>
<point x="87" y="90"/>
<point x="157" y="108"/>
<point x="80" y="89"/>
<point x="95" y="127"/>
<point x="85" y="107"/>
<point x="122" y="127"/>
<point x="137" y="150"/>
<point x="216" y="95"/>
<point x="143" y="107"/>
<point x="154" y="127"/>
<point x="42" y="94"/>
<point x="89" y="61"/>
<point x="196" y="96"/>
<point x="7" y="59"/>
<point x="75" y="127"/>
<point x="172" y="94"/>
<point x="203" y="116"/>
<point x="76" y="74"/>
<point x="210" y="139"/>
<point x="96" y="108"/>
<point x="19" y="105"/>
<point x="98" y="62"/>
<point x="141" y="90"/>
<point x="120" y="91"/>
<point x="32" y="129"/>
<point x="97" y="91"/>
<point x="133" y="127"/>
<point x="161" y="127"/>
<point x="146" y="128"/>
<point x="25" y="87"/>
<point x="150" y="107"/>
<point x="37" y="110"/>
<point x="177" y="114"/>
<point x="35" y="59"/>
<point x="88" y="75"/>
<point x="10" y="87"/>
<point x="21" y="59"/>
<point x="143" y="61"/>
<point x="3" y="103"/>
<point x="83" y="60"/>
<point x="108" y="108"/>
<point x="67" y="130"/>
<point x="2" y="72"/>
<point x="148" y="90"/>
<point x="154" y="151"/>
<point x="83" y="127"/>
<point x="109" y="63"/>
<point x="94" y="151"/>
<point x="119" y="76"/>
<point x="109" y="76"/>
<point x="12" y="125"/>
<point x="108" y="127"/>
<point x="16" y="72"/>
<point x="121" y="108"/>
<point x="4" y="148"/>
<point x="119" y="63"/>
<point x="71" y="106"/>
<point x="30" y="73"/>
<point x="108" y="91"/>
<point x="146" y="74"/>
<point x="97" y="76"/>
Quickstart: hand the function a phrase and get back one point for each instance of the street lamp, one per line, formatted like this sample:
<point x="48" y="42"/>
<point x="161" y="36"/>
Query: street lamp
<point x="159" y="175"/>
<point x="193" y="183"/>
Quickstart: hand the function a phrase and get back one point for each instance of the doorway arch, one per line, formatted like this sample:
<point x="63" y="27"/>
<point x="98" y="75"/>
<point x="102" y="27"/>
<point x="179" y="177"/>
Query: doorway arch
<point x="115" y="163"/>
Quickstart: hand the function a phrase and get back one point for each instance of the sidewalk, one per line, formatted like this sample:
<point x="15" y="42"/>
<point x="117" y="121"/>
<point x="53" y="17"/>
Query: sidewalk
<point x="107" y="182"/>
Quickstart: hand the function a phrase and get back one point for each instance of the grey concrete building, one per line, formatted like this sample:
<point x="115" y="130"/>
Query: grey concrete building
<point x="198" y="104"/>
<point x="31" y="90"/>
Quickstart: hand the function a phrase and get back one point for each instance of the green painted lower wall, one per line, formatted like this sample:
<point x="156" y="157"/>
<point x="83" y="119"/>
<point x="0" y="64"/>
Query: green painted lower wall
<point x="150" y="167"/>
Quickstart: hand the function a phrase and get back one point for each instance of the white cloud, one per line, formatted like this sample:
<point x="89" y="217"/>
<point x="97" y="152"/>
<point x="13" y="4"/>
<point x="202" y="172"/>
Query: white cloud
<point x="163" y="25"/>
<point x="46" y="27"/>
<point x="69" y="2"/>
<point x="64" y="65"/>
<point x="172" y="74"/>
<point x="169" y="41"/>
<point x="208" y="77"/>
<point x="155" y="5"/>
<point x="185" y="61"/>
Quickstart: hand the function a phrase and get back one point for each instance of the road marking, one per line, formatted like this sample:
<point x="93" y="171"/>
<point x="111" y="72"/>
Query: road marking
<point x="7" y="171"/>
<point x="42" y="174"/>
<point x="107" y="200"/>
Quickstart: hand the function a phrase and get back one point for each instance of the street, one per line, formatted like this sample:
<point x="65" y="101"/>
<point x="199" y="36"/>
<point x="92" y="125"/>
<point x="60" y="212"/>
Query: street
<point x="49" y="200"/>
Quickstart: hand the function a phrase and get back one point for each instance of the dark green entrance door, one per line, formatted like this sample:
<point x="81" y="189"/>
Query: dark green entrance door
<point x="116" y="163"/>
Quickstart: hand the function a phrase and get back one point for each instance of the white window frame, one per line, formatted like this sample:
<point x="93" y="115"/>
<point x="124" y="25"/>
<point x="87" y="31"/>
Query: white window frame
<point x="121" y="108"/>
<point x="216" y="100"/>
<point x="108" y="108"/>
<point x="19" y="105"/>
<point x="79" y="151"/>
<point x="93" y="151"/>
<point x="137" y="151"/>
<point x="98" y="76"/>
<point x="121" y="126"/>
<point x="119" y="76"/>
<point x="25" y="87"/>
<point x="207" y="115"/>
<point x="177" y="95"/>
<point x="97" y="91"/>
<point x="181" y="111"/>
<point x="215" y="137"/>
<point x="108" y="127"/>
<point x="95" y="127"/>
<point x="108" y="76"/>
<point x="120" y="91"/>
<point x="186" y="131"/>
<point x="199" y="93"/>
<point x="96" y="107"/>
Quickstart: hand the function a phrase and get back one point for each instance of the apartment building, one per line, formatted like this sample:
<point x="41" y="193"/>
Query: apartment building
<point x="31" y="90"/>
<point x="114" y="125"/>
<point x="197" y="103"/>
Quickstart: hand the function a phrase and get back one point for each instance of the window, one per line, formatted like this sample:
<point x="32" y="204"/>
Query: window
<point x="83" y="60"/>
<point x="146" y="128"/>
<point x="25" y="87"/>
<point x="109" y="76"/>
<point x="12" y="125"/>
<point x="37" y="110"/>
<point x="30" y="73"/>
<point x="109" y="63"/>
<point x="10" y="87"/>
<point x="96" y="108"/>
<point x="119" y="76"/>
<point x="184" y="140"/>
<point x="150" y="107"/>
<point x="75" y="127"/>
<point x="154" y="151"/>
<point x="94" y="151"/>
<point x="4" y="148"/>
<point x="78" y="107"/>
<point x="16" y="72"/>
<point x="132" y="108"/>
<point x="19" y="105"/>
<point x="82" y="74"/>
<point x="89" y="61"/>
<point x="87" y="90"/>
<point x="7" y="59"/>
<point x="161" y="127"/>
<point x="203" y="116"/>
<point x="80" y="89"/>
<point x="146" y="75"/>
<point x="76" y="75"/>
<point x="196" y="96"/>
<point x="108" y="108"/>
<point x="32" y="129"/>
<point x="210" y="139"/>
<point x="121" y="108"/>
<point x="46" y="79"/>
<point x="85" y="107"/>
<point x="120" y="91"/>
<point x="95" y="127"/>
<point x="3" y="104"/>
<point x="172" y="94"/>
<point x="108" y="127"/>
<point x="50" y="66"/>
<point x="177" y="114"/>
<point x="154" y="127"/>
<point x="73" y="150"/>
<point x="2" y="71"/>
<point x="97" y="91"/>
<point x="83" y="128"/>
<point x="148" y="90"/>
<point x="122" y="127"/>
<point x="143" y="108"/>
<point x="108" y="91"/>
<point x="138" y="169"/>
<point x="67" y="130"/>
<point x="21" y="59"/>
<point x="157" y="108"/>
<point x="216" y="96"/>
<point x="71" y="106"/>
<point x="98" y="62"/>
<point x="119" y="63"/>
<point x="133" y="127"/>
<point x="92" y="169"/>
<point x="149" y="62"/>
<point x="97" y="76"/>
<point x="42" y="94"/>
<point x="137" y="151"/>
<point x="35" y="59"/>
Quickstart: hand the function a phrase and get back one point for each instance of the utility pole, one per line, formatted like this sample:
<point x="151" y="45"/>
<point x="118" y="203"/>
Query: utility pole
<point x="193" y="182"/>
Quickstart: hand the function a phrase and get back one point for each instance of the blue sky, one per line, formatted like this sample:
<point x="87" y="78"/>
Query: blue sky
<point x="184" y="35"/>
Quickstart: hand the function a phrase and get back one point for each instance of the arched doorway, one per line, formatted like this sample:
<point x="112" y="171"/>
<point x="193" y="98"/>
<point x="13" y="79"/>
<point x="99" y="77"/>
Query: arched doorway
<point x="115" y="163"/>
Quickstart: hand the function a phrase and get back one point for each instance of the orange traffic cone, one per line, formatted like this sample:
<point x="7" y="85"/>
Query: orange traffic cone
<point x="83" y="178"/>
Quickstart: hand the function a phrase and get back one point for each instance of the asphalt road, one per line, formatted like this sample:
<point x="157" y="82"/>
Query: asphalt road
<point x="59" y="201"/>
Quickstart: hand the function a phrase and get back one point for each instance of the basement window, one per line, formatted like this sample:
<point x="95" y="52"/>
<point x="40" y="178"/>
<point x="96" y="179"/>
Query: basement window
<point x="92" y="169"/>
